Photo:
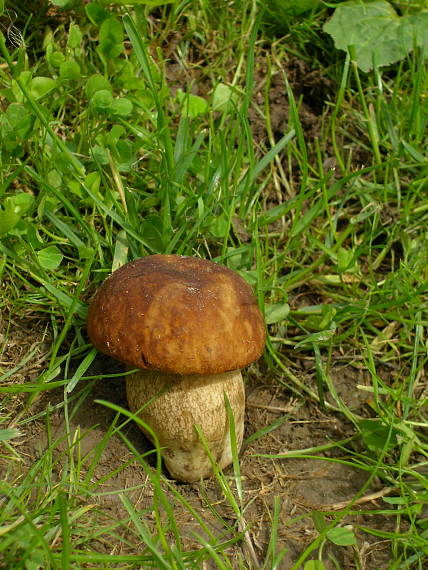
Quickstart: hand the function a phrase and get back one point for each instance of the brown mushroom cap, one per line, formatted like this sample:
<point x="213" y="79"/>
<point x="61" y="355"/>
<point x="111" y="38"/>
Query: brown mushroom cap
<point x="177" y="314"/>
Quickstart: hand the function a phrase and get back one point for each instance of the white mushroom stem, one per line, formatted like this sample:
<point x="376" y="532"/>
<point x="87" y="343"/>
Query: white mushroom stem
<point x="187" y="401"/>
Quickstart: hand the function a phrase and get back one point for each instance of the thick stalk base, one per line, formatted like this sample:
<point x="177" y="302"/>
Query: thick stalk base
<point x="186" y="401"/>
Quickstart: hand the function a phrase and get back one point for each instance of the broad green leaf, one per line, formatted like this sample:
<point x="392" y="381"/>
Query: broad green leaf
<point x="322" y="319"/>
<point x="55" y="58"/>
<point x="8" y="220"/>
<point x="346" y="261"/>
<point x="314" y="565"/>
<point x="319" y="521"/>
<point x="96" y="13"/>
<point x="379" y="36"/>
<point x="376" y="435"/>
<point x="41" y="86"/>
<point x="102" y="101"/>
<point x="219" y="226"/>
<point x="114" y="135"/>
<point x="396" y="500"/>
<point x="122" y="107"/>
<point x="85" y="252"/>
<point x="238" y="258"/>
<point x="97" y="82"/>
<point x="93" y="181"/>
<point x="21" y="203"/>
<point x="318" y="337"/>
<point x="222" y="97"/>
<point x="250" y="276"/>
<point x="121" y="249"/>
<point x="70" y="70"/>
<point x="6" y="434"/>
<point x="50" y="257"/>
<point x="24" y="80"/>
<point x="74" y="37"/>
<point x="62" y="3"/>
<point x="341" y="536"/>
<point x="416" y="29"/>
<point x="193" y="105"/>
<point x="99" y="154"/>
<point x="15" y="125"/>
<point x="75" y="187"/>
<point x="127" y="77"/>
<point x="151" y="230"/>
<point x="125" y="153"/>
<point x="276" y="312"/>
<point x="15" y="207"/>
<point x="111" y="38"/>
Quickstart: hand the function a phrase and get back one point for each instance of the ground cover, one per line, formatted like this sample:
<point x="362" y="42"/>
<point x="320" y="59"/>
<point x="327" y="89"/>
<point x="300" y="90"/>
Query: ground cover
<point x="211" y="130"/>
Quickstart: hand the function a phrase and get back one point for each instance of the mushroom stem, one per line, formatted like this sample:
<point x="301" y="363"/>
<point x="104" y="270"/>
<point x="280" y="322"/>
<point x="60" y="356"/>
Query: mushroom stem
<point x="186" y="401"/>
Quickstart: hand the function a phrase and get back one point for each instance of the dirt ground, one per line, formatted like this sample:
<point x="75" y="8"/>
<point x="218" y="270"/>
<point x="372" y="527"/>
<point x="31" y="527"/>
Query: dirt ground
<point x="302" y="485"/>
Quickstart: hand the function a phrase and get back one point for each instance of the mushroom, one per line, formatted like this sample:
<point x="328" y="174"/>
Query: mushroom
<point x="189" y="325"/>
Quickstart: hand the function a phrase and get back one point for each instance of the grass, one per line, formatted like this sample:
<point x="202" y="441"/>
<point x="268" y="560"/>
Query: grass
<point x="109" y="152"/>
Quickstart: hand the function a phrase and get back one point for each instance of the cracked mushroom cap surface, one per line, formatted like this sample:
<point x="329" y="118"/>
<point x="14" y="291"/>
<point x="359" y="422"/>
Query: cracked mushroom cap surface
<point x="177" y="314"/>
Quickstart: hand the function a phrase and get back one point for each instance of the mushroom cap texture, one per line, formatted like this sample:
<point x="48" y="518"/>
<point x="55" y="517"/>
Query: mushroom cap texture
<point x="177" y="314"/>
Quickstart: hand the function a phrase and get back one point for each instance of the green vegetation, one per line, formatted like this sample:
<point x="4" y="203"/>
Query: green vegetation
<point x="210" y="129"/>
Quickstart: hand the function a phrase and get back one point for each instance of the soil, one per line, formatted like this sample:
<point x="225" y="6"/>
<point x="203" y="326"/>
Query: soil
<point x="302" y="485"/>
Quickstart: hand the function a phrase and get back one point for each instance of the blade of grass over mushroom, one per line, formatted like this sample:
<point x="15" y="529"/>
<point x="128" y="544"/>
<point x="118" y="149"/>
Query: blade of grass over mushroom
<point x="214" y="542"/>
<point x="160" y="500"/>
<point x="218" y="473"/>
<point x="139" y="421"/>
<point x="228" y="493"/>
<point x="234" y="448"/>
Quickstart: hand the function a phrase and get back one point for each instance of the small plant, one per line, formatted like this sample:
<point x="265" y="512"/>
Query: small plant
<point x="376" y="33"/>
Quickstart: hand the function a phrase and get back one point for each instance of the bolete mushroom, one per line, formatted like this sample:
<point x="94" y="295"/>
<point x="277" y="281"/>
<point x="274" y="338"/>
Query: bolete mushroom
<point x="189" y="325"/>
